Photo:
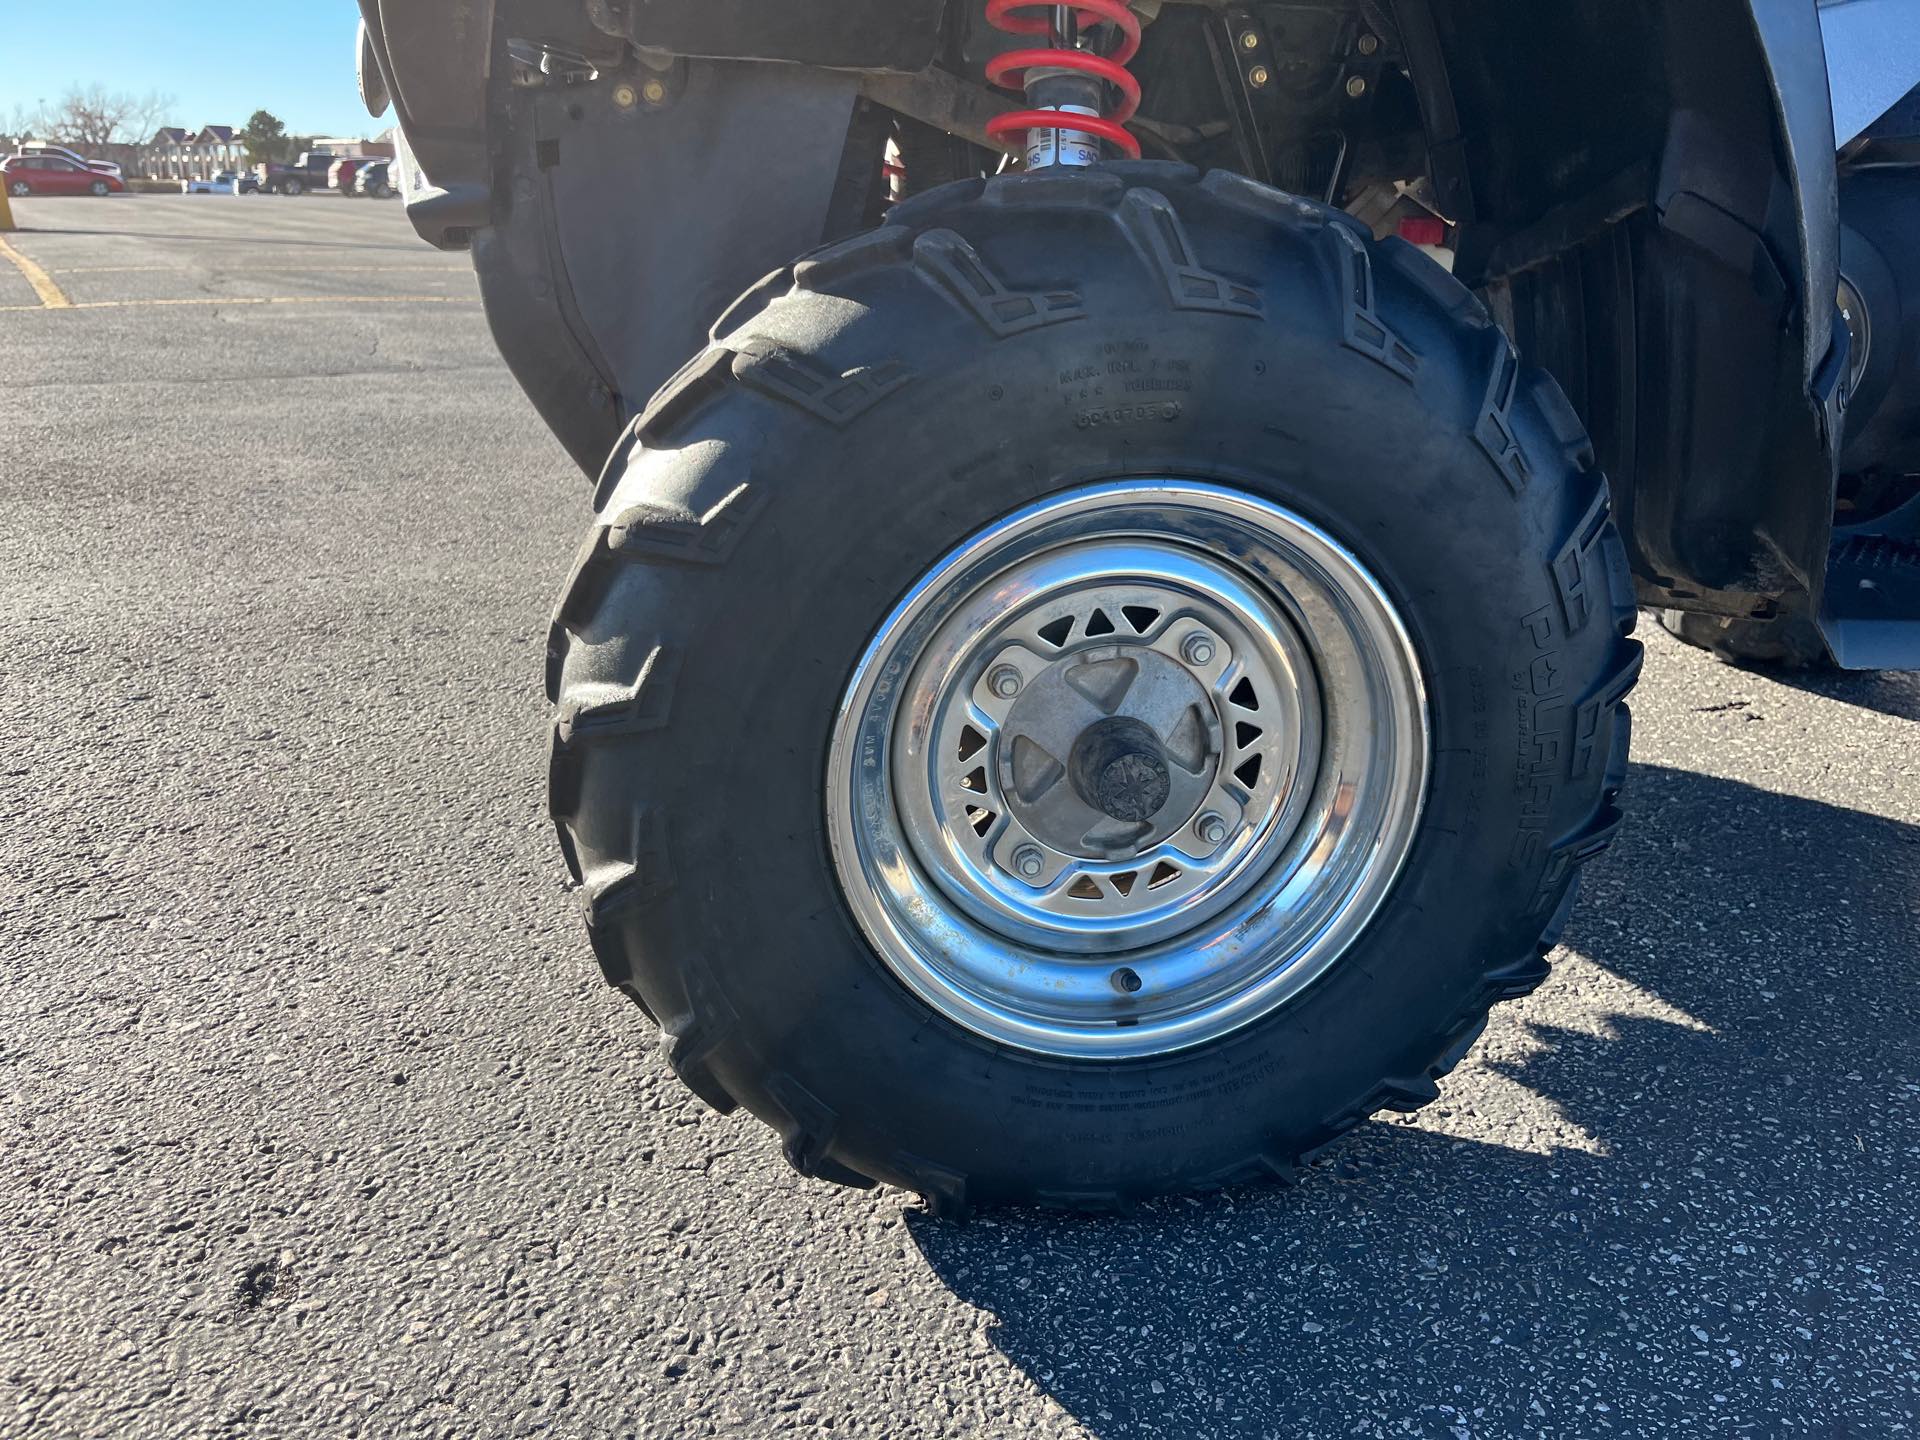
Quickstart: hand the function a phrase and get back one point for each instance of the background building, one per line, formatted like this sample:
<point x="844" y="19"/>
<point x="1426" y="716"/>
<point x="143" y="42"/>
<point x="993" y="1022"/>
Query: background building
<point x="177" y="154"/>
<point x="350" y="147"/>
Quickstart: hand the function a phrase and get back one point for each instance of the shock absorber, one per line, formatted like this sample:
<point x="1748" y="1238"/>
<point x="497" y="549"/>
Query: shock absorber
<point x="1066" y="81"/>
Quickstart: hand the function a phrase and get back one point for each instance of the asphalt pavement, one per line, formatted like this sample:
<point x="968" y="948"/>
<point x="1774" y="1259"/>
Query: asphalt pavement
<point x="316" y="1118"/>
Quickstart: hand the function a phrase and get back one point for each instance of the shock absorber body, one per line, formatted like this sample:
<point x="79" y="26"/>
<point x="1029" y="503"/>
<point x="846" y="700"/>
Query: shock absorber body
<point x="1066" y="83"/>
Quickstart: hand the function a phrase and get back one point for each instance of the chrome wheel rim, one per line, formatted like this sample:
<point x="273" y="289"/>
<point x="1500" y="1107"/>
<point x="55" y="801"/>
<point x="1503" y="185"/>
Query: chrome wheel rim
<point x="1128" y="769"/>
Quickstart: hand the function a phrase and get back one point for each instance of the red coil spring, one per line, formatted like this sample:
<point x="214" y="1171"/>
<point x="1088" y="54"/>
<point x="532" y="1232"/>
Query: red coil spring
<point x="1010" y="70"/>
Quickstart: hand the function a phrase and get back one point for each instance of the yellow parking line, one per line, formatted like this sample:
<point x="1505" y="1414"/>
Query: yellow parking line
<point x="66" y="304"/>
<point x="255" y="269"/>
<point x="52" y="297"/>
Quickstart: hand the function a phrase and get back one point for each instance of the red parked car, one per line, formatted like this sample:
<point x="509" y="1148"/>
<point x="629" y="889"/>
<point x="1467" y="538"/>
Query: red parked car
<point x="42" y="147"/>
<point x="340" y="174"/>
<point x="55" y="175"/>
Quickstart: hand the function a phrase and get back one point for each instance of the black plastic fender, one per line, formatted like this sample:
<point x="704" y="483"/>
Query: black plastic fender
<point x="1656" y="222"/>
<point x="612" y="221"/>
<point x="436" y="64"/>
<point x="621" y="232"/>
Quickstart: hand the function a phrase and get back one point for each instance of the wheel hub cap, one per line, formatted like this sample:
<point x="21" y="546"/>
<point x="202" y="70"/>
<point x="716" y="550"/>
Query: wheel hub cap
<point x="1118" y="767"/>
<point x="1128" y="769"/>
<point x="1107" y="752"/>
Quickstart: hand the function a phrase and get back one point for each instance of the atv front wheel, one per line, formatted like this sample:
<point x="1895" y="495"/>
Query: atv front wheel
<point x="1089" y="690"/>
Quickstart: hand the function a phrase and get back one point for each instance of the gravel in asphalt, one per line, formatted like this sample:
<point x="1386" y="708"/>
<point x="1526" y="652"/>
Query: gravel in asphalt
<point x="316" y="1118"/>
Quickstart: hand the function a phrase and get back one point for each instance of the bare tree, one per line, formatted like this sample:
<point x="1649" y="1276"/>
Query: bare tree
<point x="95" y="116"/>
<point x="149" y="113"/>
<point x="25" y="120"/>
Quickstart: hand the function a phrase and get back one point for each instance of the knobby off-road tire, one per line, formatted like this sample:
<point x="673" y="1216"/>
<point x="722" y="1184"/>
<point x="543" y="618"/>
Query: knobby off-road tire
<point x="858" y="416"/>
<point x="1794" y="644"/>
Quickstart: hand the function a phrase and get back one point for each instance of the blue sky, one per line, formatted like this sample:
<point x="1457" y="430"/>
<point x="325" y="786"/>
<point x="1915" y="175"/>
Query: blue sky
<point x="221" y="62"/>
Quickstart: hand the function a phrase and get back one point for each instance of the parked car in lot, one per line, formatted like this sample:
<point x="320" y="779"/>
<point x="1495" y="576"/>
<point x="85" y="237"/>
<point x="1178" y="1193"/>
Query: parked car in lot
<point x="41" y="147"/>
<point x="309" y="172"/>
<point x="374" y="179"/>
<point x="56" y="175"/>
<point x="227" y="182"/>
<point x="340" y="175"/>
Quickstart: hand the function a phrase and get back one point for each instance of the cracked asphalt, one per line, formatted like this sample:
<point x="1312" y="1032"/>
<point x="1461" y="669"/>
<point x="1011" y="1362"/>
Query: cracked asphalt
<point x="316" y="1119"/>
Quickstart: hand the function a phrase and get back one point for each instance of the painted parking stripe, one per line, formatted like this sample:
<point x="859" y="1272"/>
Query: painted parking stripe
<point x="66" y="304"/>
<point x="52" y="297"/>
<point x="216" y="270"/>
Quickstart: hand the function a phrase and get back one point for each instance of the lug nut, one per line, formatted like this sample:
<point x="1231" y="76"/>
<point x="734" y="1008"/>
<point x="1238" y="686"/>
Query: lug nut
<point x="1005" y="682"/>
<point x="1029" y="862"/>
<point x="625" y="96"/>
<point x="1250" y="40"/>
<point x="1211" y="828"/>
<point x="1357" y="86"/>
<point x="1198" y="650"/>
<point x="1258" y="76"/>
<point x="655" y="92"/>
<point x="1368" y="44"/>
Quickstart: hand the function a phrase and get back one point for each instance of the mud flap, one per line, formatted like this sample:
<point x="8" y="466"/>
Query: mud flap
<point x="623" y="225"/>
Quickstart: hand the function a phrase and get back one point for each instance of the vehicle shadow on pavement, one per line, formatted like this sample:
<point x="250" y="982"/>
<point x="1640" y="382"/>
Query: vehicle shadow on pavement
<point x="1890" y="692"/>
<point x="1704" y="1225"/>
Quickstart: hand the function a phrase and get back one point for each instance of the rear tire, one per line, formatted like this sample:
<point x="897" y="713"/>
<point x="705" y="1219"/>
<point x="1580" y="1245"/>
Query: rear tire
<point x="292" y="187"/>
<point x="1794" y="644"/>
<point x="19" y="188"/>
<point x="998" y="344"/>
